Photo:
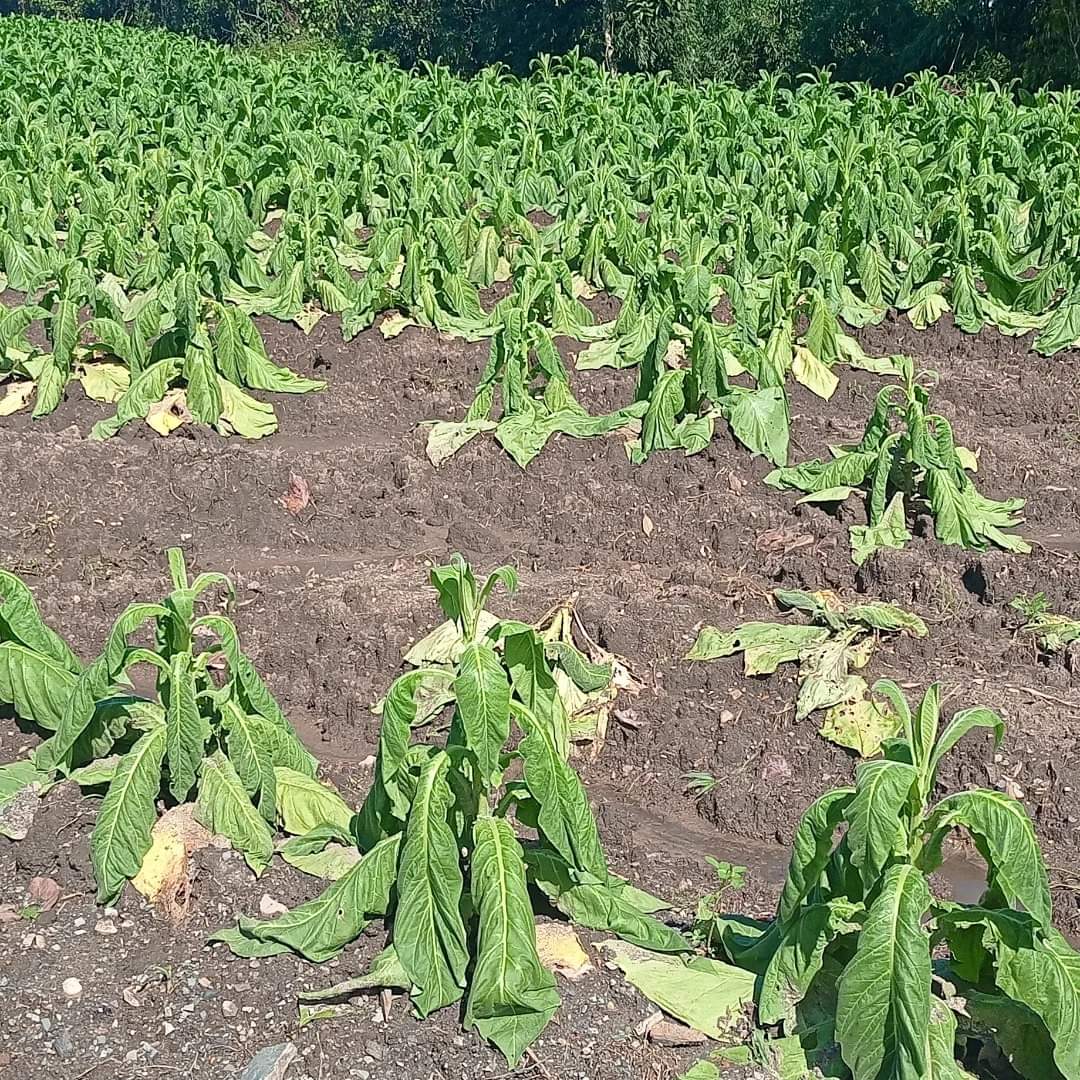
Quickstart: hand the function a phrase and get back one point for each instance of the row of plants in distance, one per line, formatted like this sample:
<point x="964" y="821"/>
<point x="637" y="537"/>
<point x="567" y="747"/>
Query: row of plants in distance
<point x="476" y="821"/>
<point x="146" y="226"/>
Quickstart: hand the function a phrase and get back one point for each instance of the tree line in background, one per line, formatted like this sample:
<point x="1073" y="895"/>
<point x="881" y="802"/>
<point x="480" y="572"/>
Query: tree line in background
<point x="1037" y="41"/>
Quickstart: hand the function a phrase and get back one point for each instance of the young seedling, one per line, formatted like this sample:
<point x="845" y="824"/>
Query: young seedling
<point x="838" y="641"/>
<point x="1052" y="632"/>
<point x="442" y="859"/>
<point x="907" y="462"/>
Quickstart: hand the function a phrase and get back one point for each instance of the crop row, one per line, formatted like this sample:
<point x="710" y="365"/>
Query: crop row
<point x="476" y="812"/>
<point x="158" y="194"/>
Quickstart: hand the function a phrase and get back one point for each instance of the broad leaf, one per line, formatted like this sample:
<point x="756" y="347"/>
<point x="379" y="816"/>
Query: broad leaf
<point x="512" y="997"/>
<point x="121" y="835"/>
<point x="429" y="934"/>
<point x="883" y="1009"/>
<point x="225" y="807"/>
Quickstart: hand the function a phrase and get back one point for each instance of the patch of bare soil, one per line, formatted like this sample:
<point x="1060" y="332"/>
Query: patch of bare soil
<point x="331" y="596"/>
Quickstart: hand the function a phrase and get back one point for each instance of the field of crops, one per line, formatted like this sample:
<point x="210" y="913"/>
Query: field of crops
<point x="758" y="397"/>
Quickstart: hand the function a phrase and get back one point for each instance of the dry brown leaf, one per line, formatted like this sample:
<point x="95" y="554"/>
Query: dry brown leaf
<point x="44" y="892"/>
<point x="165" y="875"/>
<point x="671" y="1033"/>
<point x="646" y="525"/>
<point x="783" y="541"/>
<point x="298" y="496"/>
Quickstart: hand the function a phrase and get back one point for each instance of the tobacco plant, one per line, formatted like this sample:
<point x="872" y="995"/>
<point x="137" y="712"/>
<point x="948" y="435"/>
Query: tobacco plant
<point x="879" y="977"/>
<point x="221" y="740"/>
<point x="1051" y="631"/>
<point x="462" y="821"/>
<point x="147" y="242"/>
<point x="907" y="462"/>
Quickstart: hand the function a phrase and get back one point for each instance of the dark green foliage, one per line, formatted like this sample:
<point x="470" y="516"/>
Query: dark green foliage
<point x="878" y="40"/>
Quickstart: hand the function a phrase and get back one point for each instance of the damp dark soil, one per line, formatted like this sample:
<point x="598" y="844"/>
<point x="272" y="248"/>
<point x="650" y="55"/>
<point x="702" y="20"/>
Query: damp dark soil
<point x="329" y="599"/>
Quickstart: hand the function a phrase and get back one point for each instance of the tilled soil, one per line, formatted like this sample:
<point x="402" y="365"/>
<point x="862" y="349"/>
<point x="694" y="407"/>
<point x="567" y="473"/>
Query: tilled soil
<point x="329" y="599"/>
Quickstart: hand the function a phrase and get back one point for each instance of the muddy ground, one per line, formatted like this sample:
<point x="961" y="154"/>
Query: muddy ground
<point x="329" y="600"/>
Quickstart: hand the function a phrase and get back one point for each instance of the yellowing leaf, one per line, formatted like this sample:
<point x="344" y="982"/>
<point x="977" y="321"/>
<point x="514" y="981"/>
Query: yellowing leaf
<point x="242" y="415"/>
<point x="394" y="324"/>
<point x="169" y="413"/>
<point x="305" y="803"/>
<point x="18" y="397"/>
<point x="104" y="381"/>
<point x="446" y="438"/>
<point x="705" y="994"/>
<point x="559" y="949"/>
<point x="816" y="376"/>
<point x="860" y="725"/>
<point x="163" y="874"/>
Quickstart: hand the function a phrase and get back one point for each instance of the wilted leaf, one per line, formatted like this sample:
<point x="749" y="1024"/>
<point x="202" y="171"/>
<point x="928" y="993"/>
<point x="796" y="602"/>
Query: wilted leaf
<point x="18" y="397"/>
<point x="703" y="993"/>
<point x="559" y="949"/>
<point x="169" y="413"/>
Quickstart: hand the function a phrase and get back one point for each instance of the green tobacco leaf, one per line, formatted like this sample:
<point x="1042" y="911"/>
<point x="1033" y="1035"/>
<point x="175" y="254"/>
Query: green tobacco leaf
<point x="482" y="690"/>
<point x="798" y="958"/>
<point x="241" y="414"/>
<point x="35" y="685"/>
<point x="890" y="532"/>
<point x="1018" y="1032"/>
<point x="828" y="495"/>
<point x="759" y="419"/>
<point x="251" y="757"/>
<point x="875" y="822"/>
<point x="565" y="817"/>
<point x="21" y="622"/>
<point x="321" y="928"/>
<point x="767" y="645"/>
<point x="610" y="905"/>
<point x="305" y="803"/>
<point x="428" y="930"/>
<point x="247" y="947"/>
<point x="941" y="1044"/>
<point x="254" y="697"/>
<point x="185" y="730"/>
<point x="512" y="997"/>
<point x="1007" y="840"/>
<point x="97" y="773"/>
<point x="534" y="685"/>
<point x="224" y="807"/>
<point x="963" y="722"/>
<point x="326" y="852"/>
<point x="121" y="836"/>
<point x="706" y="994"/>
<point x="93" y="685"/>
<point x="811" y="849"/>
<point x="385" y="971"/>
<point x="1046" y="979"/>
<point x="881" y="616"/>
<point x="883" y="1009"/>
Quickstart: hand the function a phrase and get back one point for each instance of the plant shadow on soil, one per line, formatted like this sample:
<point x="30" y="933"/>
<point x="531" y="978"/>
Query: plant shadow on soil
<point x="330" y="598"/>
